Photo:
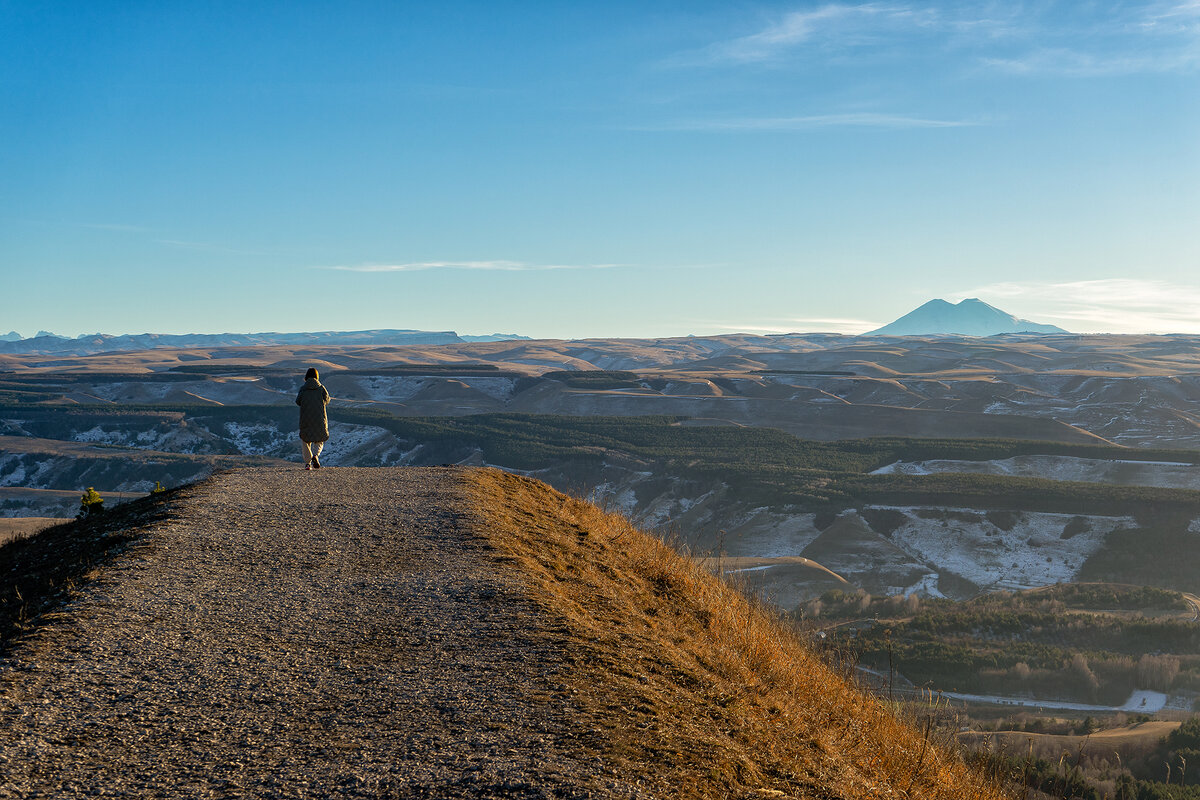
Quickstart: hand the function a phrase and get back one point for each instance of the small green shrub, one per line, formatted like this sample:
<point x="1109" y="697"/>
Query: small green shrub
<point x="90" y="504"/>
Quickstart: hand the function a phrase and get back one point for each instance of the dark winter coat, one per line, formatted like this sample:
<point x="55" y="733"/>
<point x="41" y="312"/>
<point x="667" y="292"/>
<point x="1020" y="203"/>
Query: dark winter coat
<point x="314" y="424"/>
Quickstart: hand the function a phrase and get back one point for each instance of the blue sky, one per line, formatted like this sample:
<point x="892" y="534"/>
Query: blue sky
<point x="571" y="169"/>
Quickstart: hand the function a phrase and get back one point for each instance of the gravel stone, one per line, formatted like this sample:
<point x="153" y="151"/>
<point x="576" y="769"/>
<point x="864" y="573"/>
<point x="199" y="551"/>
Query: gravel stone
<point x="340" y="633"/>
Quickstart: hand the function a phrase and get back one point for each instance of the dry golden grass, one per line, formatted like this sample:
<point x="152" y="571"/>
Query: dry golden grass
<point x="689" y="685"/>
<point x="1128" y="741"/>
<point x="20" y="527"/>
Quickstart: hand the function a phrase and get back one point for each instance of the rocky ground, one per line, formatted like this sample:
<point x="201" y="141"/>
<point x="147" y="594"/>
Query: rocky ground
<point x="282" y="633"/>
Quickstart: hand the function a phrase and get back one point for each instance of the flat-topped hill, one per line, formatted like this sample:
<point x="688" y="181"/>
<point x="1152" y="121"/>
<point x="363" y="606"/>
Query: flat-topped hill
<point x="414" y="633"/>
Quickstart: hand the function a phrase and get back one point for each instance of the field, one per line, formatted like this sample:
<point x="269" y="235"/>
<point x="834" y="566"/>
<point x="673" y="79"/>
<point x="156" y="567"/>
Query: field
<point x="20" y="527"/>
<point x="1128" y="740"/>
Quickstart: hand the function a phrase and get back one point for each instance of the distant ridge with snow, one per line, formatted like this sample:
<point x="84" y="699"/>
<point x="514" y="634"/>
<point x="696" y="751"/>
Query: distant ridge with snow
<point x="971" y="317"/>
<point x="46" y="342"/>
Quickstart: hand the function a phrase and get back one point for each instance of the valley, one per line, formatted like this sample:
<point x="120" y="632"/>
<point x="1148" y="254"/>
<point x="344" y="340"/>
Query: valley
<point x="942" y="466"/>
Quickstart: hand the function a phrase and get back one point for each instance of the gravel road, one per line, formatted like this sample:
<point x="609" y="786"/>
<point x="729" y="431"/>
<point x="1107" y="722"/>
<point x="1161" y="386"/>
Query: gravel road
<point x="292" y="634"/>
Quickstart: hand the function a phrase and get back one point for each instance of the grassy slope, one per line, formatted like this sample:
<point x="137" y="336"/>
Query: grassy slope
<point x="1126" y="741"/>
<point x="694" y="688"/>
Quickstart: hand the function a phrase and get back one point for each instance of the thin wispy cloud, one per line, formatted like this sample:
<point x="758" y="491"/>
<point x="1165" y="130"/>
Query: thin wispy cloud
<point x="1117" y="39"/>
<point x="1125" y="39"/>
<point x="809" y="122"/>
<point x="1111" y="305"/>
<point x="1175" y="18"/>
<point x="1073" y="63"/>
<point x="493" y="266"/>
<point x="115" y="227"/>
<point x="838" y="26"/>
<point x="847" y="25"/>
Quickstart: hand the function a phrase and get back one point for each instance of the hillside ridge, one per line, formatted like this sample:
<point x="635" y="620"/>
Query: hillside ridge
<point x="437" y="632"/>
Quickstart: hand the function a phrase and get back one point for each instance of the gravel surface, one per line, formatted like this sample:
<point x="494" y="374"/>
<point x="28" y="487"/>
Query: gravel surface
<point x="335" y="633"/>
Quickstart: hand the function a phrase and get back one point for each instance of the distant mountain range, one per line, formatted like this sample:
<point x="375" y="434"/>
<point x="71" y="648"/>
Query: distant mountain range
<point x="971" y="317"/>
<point x="46" y="342"/>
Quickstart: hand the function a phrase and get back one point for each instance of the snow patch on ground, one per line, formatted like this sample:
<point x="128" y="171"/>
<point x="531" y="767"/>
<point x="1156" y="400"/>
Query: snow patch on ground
<point x="360" y="445"/>
<point x="495" y="388"/>
<point x="101" y="436"/>
<point x="926" y="587"/>
<point x="14" y="471"/>
<point x="1141" y="701"/>
<point x="1033" y="552"/>
<point x="348" y="445"/>
<point x="391" y="387"/>
<point x="165" y="438"/>
<point x="140" y="392"/>
<point x="767" y="533"/>
<point x="258" y="438"/>
<point x="1166" y="474"/>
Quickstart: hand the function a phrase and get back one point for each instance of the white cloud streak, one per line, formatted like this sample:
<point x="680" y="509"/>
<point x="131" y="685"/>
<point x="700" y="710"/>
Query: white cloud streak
<point x="809" y="122"/>
<point x="838" y="26"/>
<point x="1076" y="64"/>
<point x="1111" y="305"/>
<point x="493" y="266"/>
<point x="1121" y="39"/>
<point x="850" y="24"/>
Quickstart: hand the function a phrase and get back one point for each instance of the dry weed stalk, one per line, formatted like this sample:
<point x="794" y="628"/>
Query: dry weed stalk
<point x="701" y="689"/>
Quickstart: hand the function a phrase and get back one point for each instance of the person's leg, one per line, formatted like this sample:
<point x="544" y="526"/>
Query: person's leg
<point x="316" y="459"/>
<point x="306" y="451"/>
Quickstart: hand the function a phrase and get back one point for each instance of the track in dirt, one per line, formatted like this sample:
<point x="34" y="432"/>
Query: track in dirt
<point x="341" y="633"/>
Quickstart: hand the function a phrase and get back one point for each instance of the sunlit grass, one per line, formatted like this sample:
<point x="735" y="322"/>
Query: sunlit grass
<point x="692" y="684"/>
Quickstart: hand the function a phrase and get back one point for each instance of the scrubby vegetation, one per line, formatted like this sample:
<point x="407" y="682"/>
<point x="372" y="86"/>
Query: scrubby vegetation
<point x="44" y="571"/>
<point x="727" y="701"/>
<point x="1124" y="766"/>
<point x="91" y="503"/>
<point x="1090" y="643"/>
<point x="594" y="379"/>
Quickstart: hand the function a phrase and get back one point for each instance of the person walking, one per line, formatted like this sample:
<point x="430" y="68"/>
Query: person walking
<point x="314" y="423"/>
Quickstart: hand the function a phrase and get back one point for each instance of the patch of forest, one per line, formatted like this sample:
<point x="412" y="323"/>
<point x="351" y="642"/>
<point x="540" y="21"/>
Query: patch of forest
<point x="1090" y="643"/>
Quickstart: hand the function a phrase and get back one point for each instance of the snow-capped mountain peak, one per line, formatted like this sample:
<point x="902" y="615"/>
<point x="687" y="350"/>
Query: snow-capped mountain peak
<point x="970" y="317"/>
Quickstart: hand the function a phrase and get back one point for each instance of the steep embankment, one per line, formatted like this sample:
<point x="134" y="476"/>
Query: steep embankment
<point x="415" y="633"/>
<point x="694" y="688"/>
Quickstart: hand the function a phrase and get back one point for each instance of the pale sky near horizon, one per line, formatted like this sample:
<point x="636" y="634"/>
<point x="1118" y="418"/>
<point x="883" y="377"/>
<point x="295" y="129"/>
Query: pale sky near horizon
<point x="573" y="169"/>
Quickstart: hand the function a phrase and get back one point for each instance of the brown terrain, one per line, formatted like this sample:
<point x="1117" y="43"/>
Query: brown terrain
<point x="1134" y="390"/>
<point x="1126" y="741"/>
<point x="439" y="632"/>
<point x="122" y="421"/>
<point x="20" y="527"/>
